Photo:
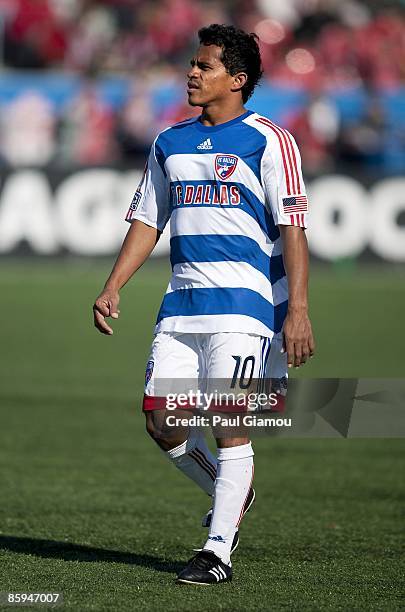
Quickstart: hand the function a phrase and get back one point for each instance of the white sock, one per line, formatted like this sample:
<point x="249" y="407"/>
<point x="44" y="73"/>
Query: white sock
<point x="234" y="478"/>
<point x="196" y="461"/>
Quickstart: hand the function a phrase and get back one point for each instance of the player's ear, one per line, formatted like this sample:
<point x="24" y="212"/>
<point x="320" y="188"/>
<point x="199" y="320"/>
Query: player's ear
<point x="239" y="81"/>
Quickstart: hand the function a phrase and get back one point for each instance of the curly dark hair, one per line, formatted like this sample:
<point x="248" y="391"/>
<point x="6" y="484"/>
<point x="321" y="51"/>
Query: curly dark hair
<point x="240" y="52"/>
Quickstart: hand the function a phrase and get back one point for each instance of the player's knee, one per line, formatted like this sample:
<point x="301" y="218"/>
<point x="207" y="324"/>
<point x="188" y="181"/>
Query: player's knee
<point x="150" y="426"/>
<point x="166" y="439"/>
<point x="155" y="430"/>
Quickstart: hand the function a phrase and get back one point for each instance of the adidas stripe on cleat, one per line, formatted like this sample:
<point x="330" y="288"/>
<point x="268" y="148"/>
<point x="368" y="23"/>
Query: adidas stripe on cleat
<point x="205" y="568"/>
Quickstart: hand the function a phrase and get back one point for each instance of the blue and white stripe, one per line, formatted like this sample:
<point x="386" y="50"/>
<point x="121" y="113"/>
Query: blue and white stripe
<point x="227" y="266"/>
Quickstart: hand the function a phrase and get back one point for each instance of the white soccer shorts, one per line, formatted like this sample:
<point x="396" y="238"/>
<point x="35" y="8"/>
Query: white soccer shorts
<point x="181" y="362"/>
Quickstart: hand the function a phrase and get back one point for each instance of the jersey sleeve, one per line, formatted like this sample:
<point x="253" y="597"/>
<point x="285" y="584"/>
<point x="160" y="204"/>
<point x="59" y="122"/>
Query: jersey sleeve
<point x="150" y="203"/>
<point x="283" y="182"/>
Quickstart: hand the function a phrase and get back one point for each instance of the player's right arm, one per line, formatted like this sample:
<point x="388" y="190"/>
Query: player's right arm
<point x="136" y="248"/>
<point x="148" y="215"/>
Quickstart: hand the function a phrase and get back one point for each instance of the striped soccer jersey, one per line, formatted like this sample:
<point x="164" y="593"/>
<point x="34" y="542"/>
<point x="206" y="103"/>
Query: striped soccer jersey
<point x="225" y="190"/>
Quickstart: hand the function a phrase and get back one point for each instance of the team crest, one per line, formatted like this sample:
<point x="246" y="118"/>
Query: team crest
<point x="149" y="371"/>
<point x="135" y="200"/>
<point x="138" y="193"/>
<point x="225" y="166"/>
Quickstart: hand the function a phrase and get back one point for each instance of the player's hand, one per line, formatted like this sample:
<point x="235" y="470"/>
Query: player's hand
<point x="298" y="340"/>
<point x="106" y="305"/>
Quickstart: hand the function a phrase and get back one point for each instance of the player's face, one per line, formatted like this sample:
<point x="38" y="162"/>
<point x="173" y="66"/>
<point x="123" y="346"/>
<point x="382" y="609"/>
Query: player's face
<point x="208" y="80"/>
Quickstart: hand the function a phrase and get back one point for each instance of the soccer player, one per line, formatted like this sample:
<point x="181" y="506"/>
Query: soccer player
<point x="230" y="183"/>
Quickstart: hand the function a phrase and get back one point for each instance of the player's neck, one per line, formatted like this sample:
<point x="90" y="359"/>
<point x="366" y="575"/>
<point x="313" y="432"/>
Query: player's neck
<point x="216" y="114"/>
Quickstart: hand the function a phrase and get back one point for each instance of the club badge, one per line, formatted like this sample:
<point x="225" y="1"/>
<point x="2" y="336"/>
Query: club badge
<point x="225" y="166"/>
<point x="138" y="193"/>
<point x="135" y="201"/>
<point x="149" y="371"/>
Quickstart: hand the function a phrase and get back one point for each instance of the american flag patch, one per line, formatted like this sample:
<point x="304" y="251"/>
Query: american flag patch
<point x="295" y="204"/>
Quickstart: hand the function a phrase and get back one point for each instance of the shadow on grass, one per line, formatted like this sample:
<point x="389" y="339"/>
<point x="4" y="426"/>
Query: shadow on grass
<point x="68" y="551"/>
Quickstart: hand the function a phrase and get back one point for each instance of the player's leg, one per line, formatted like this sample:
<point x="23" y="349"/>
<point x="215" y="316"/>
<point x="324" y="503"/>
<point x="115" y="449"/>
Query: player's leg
<point x="233" y="485"/>
<point x="241" y="359"/>
<point x="175" y="357"/>
<point x="187" y="450"/>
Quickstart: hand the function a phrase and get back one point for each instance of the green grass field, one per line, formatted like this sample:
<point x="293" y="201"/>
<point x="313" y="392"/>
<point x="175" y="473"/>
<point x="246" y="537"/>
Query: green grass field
<point x="91" y="508"/>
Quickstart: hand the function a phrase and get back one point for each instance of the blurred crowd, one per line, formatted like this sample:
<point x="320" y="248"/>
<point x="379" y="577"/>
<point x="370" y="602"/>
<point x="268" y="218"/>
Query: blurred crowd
<point x="318" y="46"/>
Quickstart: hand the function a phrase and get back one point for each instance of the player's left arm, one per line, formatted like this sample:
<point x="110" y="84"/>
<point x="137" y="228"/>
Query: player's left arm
<point x="286" y="197"/>
<point x="298" y="337"/>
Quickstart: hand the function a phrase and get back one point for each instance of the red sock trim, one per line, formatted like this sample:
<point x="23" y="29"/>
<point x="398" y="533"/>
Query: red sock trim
<point x="243" y="507"/>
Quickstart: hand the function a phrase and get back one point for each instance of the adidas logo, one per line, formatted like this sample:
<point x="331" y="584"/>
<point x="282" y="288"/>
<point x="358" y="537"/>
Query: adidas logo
<point x="205" y="145"/>
<point x="217" y="538"/>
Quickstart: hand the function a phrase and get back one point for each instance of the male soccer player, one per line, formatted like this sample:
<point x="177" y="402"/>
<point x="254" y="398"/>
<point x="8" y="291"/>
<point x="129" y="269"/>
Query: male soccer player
<point x="230" y="182"/>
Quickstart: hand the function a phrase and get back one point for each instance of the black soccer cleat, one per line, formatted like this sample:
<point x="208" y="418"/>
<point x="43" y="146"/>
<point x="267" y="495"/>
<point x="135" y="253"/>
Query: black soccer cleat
<point x="206" y="521"/>
<point x="205" y="568"/>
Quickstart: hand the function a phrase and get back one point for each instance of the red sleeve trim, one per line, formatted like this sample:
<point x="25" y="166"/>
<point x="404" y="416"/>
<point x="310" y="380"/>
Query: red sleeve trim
<point x="297" y="219"/>
<point x="288" y="154"/>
